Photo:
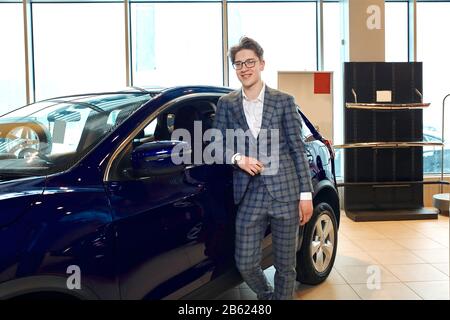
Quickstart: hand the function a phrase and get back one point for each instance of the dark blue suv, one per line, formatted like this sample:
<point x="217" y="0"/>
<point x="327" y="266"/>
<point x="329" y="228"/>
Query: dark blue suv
<point x="91" y="207"/>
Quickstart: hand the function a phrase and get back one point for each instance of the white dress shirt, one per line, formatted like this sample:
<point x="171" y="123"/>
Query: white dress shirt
<point x="253" y="110"/>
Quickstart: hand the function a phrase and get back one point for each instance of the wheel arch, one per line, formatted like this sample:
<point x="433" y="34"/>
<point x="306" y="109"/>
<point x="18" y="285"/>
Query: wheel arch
<point x="326" y="192"/>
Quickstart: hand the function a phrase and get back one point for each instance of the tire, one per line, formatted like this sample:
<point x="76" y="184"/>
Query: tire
<point x="309" y="269"/>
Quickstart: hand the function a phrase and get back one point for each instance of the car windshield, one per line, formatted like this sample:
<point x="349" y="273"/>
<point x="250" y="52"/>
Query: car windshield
<point x="50" y="135"/>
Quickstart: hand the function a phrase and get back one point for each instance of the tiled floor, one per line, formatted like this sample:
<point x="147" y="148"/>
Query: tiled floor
<point x="410" y="257"/>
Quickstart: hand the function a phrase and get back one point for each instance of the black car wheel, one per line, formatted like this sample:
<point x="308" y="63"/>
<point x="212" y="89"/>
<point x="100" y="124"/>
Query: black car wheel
<point x="316" y="256"/>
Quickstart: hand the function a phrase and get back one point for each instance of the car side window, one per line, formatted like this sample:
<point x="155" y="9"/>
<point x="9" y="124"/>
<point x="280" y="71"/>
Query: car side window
<point x="158" y="129"/>
<point x="147" y="134"/>
<point x="179" y="116"/>
<point x="149" y="130"/>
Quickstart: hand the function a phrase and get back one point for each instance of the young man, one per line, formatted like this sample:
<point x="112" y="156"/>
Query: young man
<point x="282" y="198"/>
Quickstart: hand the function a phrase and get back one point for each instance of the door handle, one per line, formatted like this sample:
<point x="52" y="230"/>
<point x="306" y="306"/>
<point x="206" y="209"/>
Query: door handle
<point x="195" y="231"/>
<point x="182" y="204"/>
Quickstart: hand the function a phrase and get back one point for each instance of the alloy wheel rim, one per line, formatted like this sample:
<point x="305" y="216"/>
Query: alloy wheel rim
<point x="322" y="242"/>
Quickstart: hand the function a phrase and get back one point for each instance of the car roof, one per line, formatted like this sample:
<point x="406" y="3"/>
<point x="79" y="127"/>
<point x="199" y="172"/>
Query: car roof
<point x="154" y="90"/>
<point x="101" y="96"/>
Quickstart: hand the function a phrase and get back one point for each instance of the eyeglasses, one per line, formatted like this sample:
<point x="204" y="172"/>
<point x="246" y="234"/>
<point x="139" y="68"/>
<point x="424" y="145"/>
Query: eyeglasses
<point x="249" y="63"/>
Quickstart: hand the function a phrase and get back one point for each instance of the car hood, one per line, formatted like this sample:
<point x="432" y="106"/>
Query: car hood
<point x="17" y="196"/>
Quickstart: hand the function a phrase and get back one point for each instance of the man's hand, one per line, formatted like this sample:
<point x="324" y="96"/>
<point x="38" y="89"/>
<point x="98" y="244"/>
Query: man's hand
<point x="305" y="211"/>
<point x="250" y="165"/>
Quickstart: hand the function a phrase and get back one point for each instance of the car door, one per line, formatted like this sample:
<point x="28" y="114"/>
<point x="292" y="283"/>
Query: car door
<point x="165" y="227"/>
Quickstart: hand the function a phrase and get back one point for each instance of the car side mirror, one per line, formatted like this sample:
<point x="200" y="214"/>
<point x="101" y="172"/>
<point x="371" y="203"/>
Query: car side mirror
<point x="156" y="158"/>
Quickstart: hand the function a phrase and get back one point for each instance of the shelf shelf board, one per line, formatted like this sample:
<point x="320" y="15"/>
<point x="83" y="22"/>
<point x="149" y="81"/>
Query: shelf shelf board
<point x="390" y="184"/>
<point x="389" y="214"/>
<point x="393" y="144"/>
<point x="387" y="106"/>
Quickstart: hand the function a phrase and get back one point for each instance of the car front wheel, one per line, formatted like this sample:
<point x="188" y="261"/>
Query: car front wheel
<point x="316" y="257"/>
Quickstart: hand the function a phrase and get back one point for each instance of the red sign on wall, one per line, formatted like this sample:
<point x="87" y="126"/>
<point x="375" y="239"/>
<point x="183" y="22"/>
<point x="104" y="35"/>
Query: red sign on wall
<point x="322" y="83"/>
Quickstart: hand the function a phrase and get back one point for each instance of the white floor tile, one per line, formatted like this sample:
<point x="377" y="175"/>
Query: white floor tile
<point x="364" y="234"/>
<point x="386" y="291"/>
<point x="437" y="290"/>
<point x="418" y="244"/>
<point x="417" y="272"/>
<point x="334" y="278"/>
<point x="366" y="274"/>
<point x="377" y="245"/>
<point x="441" y="239"/>
<point x="443" y="267"/>
<point x="434" y="232"/>
<point x="433" y="255"/>
<point x="347" y="245"/>
<point x="419" y="225"/>
<point x="326" y="292"/>
<point x="395" y="257"/>
<point x="401" y="234"/>
<point x="389" y="228"/>
<point x="355" y="258"/>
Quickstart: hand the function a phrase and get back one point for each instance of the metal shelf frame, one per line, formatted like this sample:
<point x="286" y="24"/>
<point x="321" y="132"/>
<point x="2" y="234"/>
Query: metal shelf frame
<point x="393" y="144"/>
<point x="387" y="106"/>
<point x="391" y="183"/>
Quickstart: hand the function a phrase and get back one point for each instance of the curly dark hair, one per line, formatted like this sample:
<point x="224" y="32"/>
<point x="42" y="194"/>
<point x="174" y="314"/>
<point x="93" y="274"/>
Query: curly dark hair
<point x="246" y="43"/>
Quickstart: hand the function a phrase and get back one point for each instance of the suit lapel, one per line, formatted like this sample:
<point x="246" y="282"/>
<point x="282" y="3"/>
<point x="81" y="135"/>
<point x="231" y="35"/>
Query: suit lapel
<point x="268" y="108"/>
<point x="238" y="111"/>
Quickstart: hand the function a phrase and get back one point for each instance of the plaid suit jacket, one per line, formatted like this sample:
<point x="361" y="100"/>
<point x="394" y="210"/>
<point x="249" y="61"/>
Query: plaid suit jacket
<point x="279" y="112"/>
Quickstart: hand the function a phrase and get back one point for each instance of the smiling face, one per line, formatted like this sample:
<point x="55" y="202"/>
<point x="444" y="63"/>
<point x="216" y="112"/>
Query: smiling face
<point x="249" y="76"/>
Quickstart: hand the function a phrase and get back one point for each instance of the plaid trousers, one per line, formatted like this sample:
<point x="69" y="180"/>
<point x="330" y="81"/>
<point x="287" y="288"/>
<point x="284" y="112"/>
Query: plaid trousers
<point x="255" y="212"/>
